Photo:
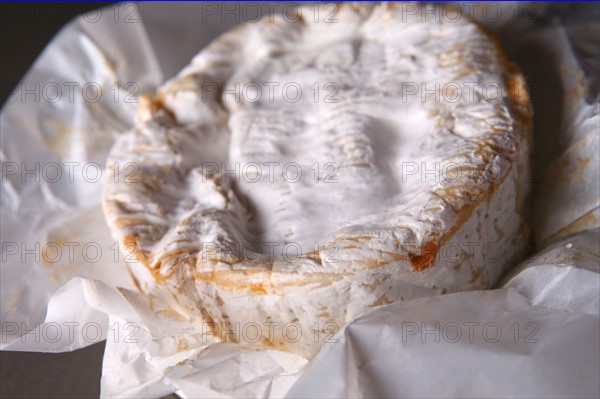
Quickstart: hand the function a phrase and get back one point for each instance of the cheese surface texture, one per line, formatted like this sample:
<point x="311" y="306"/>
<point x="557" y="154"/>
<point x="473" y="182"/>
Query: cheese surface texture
<point x="298" y="173"/>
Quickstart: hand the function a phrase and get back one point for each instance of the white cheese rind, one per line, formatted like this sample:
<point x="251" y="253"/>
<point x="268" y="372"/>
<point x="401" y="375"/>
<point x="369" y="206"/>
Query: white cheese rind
<point x="426" y="190"/>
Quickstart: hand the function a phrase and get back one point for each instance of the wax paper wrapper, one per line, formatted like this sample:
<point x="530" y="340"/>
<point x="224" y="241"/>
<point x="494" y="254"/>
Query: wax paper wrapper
<point x="66" y="285"/>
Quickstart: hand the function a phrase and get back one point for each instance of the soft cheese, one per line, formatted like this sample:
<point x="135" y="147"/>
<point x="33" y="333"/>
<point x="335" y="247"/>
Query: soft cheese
<point x="299" y="173"/>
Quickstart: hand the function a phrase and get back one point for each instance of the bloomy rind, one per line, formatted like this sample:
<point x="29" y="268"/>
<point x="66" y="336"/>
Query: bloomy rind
<point x="376" y="264"/>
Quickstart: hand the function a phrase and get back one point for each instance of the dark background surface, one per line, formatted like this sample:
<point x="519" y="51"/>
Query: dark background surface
<point x="51" y="375"/>
<point x="25" y="29"/>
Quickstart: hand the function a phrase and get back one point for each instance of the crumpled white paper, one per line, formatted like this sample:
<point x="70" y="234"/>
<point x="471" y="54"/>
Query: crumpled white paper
<point x="537" y="336"/>
<point x="65" y="285"/>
